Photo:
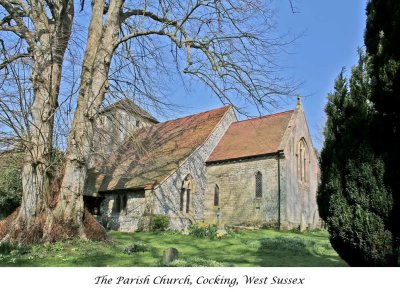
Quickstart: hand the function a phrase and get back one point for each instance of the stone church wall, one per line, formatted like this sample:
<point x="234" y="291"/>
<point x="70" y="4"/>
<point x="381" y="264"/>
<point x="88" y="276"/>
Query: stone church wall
<point x="238" y="204"/>
<point x="301" y="206"/>
<point x="167" y="195"/>
<point x="237" y="200"/>
<point x="128" y="218"/>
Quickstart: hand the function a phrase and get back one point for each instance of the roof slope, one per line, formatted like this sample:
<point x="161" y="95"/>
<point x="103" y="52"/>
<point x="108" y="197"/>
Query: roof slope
<point x="253" y="137"/>
<point x="153" y="153"/>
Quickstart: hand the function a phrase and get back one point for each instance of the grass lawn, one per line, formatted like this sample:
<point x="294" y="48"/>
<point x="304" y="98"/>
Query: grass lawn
<point x="267" y="248"/>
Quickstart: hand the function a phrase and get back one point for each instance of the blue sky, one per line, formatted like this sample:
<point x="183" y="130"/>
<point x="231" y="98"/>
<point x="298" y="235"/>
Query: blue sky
<point x="331" y="31"/>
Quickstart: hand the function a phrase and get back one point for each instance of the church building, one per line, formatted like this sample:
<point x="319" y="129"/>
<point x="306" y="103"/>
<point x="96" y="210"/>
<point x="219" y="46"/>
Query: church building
<point x="208" y="167"/>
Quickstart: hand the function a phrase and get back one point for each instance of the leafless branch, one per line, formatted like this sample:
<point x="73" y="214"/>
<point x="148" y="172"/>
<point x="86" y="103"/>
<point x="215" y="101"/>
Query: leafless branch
<point x="130" y="49"/>
<point x="13" y="58"/>
<point x="17" y="13"/>
<point x="292" y="7"/>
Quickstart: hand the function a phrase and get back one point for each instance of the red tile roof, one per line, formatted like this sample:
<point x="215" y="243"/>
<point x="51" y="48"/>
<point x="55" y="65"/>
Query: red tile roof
<point x="153" y="153"/>
<point x="252" y="137"/>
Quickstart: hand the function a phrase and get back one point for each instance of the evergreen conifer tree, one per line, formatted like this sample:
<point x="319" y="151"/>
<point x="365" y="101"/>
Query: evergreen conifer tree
<point x="382" y="39"/>
<point x="353" y="198"/>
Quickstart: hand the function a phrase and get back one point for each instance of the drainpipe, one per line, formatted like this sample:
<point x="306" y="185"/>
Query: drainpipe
<point x="280" y="155"/>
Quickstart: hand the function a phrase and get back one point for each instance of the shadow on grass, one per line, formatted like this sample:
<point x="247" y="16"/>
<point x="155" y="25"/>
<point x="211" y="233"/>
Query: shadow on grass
<point x="262" y="248"/>
<point x="297" y="252"/>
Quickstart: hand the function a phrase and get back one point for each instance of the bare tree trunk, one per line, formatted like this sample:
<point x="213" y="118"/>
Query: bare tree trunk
<point x="217" y="42"/>
<point x="97" y="60"/>
<point x="48" y="54"/>
<point x="36" y="219"/>
<point x="37" y="163"/>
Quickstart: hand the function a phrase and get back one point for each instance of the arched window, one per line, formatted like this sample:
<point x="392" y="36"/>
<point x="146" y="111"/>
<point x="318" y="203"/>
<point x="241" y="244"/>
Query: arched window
<point x="186" y="190"/>
<point x="303" y="161"/>
<point x="216" y="195"/>
<point x="258" y="185"/>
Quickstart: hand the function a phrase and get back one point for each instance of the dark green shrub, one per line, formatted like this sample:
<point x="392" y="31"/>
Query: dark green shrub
<point x="10" y="182"/>
<point x="159" y="222"/>
<point x="6" y="248"/>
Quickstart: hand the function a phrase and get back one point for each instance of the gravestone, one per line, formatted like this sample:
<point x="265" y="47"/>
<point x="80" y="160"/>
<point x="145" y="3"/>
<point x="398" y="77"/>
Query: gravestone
<point x="169" y="255"/>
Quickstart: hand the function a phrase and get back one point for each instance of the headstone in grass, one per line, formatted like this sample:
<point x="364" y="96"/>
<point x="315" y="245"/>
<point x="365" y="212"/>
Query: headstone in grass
<point x="169" y="255"/>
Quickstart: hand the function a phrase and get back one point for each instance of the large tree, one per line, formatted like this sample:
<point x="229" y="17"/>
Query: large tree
<point x="382" y="37"/>
<point x="39" y="30"/>
<point x="359" y="192"/>
<point x="229" y="45"/>
<point x="353" y="198"/>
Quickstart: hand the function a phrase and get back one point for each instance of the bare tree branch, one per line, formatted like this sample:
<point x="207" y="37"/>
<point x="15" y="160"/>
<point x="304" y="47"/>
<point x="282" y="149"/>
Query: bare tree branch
<point x="17" y="15"/>
<point x="129" y="49"/>
<point x="292" y="7"/>
<point x="13" y="58"/>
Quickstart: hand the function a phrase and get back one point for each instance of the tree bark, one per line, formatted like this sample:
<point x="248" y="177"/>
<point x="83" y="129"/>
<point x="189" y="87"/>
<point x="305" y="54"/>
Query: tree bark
<point x="100" y="48"/>
<point x="48" y="52"/>
<point x="36" y="220"/>
<point x="215" y="50"/>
